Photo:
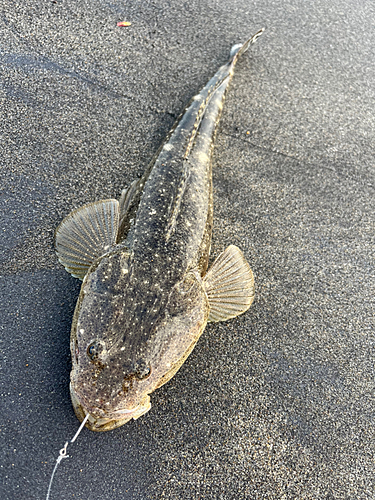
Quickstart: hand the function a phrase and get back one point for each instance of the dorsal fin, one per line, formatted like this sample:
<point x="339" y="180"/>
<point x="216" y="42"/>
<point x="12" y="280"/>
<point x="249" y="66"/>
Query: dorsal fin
<point x="200" y="114"/>
<point x="176" y="202"/>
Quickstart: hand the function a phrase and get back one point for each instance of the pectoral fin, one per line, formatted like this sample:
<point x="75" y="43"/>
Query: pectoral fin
<point x="86" y="234"/>
<point x="229" y="285"/>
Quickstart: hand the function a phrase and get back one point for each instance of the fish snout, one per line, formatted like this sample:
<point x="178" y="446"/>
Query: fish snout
<point x="98" y="413"/>
<point x="79" y="401"/>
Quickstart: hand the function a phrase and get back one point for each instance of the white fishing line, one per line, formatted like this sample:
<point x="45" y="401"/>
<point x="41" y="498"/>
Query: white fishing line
<point x="63" y="453"/>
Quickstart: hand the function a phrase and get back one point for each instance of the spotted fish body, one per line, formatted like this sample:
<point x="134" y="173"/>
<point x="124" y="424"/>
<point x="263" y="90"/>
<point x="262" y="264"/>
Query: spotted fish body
<point x="146" y="294"/>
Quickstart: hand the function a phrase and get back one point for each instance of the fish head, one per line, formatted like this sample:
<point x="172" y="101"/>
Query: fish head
<point x="122" y="352"/>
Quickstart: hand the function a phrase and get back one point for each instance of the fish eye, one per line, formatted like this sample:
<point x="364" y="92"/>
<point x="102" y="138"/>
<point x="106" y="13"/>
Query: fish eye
<point x="142" y="370"/>
<point x="93" y="350"/>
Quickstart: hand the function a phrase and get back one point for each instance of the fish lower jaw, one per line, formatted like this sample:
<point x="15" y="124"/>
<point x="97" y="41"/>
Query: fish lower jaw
<point x="101" y="424"/>
<point x="105" y="424"/>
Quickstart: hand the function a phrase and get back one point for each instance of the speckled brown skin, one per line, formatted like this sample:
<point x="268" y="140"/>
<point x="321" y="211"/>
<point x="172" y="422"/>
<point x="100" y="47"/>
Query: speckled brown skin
<point x="142" y="306"/>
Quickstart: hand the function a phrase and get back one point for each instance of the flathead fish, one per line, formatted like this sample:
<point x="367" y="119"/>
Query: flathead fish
<point x="146" y="294"/>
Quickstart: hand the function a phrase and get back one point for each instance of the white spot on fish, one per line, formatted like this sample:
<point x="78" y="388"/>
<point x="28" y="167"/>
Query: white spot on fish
<point x="168" y="147"/>
<point x="203" y="156"/>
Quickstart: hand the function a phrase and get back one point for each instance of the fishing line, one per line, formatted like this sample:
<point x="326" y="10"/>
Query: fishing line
<point x="63" y="453"/>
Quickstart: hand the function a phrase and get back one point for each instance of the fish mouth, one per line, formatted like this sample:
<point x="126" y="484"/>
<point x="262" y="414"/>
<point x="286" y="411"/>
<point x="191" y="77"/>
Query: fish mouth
<point x="104" y="423"/>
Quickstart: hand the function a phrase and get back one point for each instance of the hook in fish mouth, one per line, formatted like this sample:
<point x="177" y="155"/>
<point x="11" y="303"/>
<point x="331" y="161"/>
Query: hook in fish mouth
<point x="116" y="419"/>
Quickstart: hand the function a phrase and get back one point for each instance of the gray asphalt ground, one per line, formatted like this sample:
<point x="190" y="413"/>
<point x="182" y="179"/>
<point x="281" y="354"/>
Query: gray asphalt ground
<point x="276" y="404"/>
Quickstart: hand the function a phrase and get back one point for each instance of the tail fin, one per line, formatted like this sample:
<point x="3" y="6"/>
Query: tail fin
<point x="237" y="50"/>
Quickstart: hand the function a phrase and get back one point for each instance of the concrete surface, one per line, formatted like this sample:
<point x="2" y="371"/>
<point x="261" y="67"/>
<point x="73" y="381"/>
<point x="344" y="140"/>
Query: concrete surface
<point x="276" y="404"/>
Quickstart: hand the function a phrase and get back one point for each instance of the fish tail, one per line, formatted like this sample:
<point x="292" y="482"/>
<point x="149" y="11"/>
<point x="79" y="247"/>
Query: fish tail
<point x="239" y="49"/>
<point x="218" y="84"/>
